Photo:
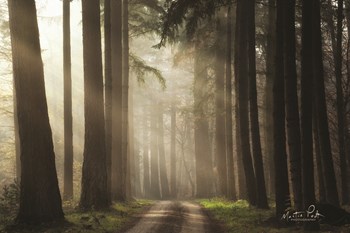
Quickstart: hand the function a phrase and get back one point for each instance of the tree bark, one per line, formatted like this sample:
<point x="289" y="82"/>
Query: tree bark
<point x="108" y="91"/>
<point x="321" y="108"/>
<point x="40" y="199"/>
<point x="231" y="186"/>
<point x="242" y="73"/>
<point x="68" y="119"/>
<point x="279" y="134"/>
<point x="261" y="197"/>
<point x="117" y="172"/>
<point x="291" y="98"/>
<point x="94" y="177"/>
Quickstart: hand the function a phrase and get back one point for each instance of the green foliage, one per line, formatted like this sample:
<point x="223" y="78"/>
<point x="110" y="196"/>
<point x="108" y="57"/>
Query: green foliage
<point x="140" y="68"/>
<point x="9" y="202"/>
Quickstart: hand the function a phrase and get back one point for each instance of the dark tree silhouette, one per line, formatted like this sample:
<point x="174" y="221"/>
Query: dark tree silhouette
<point x="40" y="199"/>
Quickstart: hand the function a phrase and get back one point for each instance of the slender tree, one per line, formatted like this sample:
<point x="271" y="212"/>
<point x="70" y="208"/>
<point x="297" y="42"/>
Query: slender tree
<point x="242" y="73"/>
<point x="220" y="148"/>
<point x="291" y="98"/>
<point x="231" y="189"/>
<point x="155" y="187"/>
<point x="308" y="190"/>
<point x="321" y="108"/>
<point x="340" y="105"/>
<point x="94" y="177"/>
<point x="117" y="172"/>
<point x="145" y="138"/>
<point x="173" y="188"/>
<point x="108" y="89"/>
<point x="68" y="119"/>
<point x="261" y="199"/>
<point x="161" y="153"/>
<point x="40" y="199"/>
<point x="279" y="134"/>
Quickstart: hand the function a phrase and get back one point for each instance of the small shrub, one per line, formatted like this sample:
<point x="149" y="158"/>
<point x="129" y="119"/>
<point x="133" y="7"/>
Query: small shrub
<point x="9" y="201"/>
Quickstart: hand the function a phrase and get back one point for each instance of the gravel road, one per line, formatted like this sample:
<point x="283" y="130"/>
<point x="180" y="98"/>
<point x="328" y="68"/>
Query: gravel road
<point x="174" y="217"/>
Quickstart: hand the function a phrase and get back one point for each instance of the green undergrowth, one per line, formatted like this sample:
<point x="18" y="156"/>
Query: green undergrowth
<point x="112" y="220"/>
<point x="240" y="217"/>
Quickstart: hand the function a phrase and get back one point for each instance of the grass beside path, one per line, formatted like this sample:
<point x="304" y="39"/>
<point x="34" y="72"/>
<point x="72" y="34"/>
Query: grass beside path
<point x="111" y="221"/>
<point x="239" y="217"/>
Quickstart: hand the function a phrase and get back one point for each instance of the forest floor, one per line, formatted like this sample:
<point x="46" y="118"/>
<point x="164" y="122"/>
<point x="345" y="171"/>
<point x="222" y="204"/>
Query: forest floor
<point x="117" y="219"/>
<point x="239" y="217"/>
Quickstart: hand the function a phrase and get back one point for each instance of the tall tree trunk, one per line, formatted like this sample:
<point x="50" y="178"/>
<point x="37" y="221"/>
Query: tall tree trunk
<point x="308" y="189"/>
<point x="242" y="73"/>
<point x="155" y="188"/>
<point x="145" y="140"/>
<point x="270" y="73"/>
<point x="94" y="177"/>
<point x="231" y="189"/>
<point x="17" y="139"/>
<point x="291" y="98"/>
<point x="321" y="108"/>
<point x="125" y="99"/>
<point x="220" y="149"/>
<point x="261" y="199"/>
<point x="68" y="119"/>
<point x="340" y="105"/>
<point x="173" y="151"/>
<point x="40" y="199"/>
<point x="108" y="91"/>
<point x="117" y="172"/>
<point x="161" y="149"/>
<point x="321" y="188"/>
<point x="279" y="134"/>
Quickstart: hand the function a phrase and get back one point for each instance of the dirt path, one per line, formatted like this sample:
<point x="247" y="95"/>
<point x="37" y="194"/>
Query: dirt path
<point x="174" y="217"/>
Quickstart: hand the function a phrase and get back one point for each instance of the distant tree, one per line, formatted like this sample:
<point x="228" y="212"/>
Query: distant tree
<point x="94" y="192"/>
<point x="68" y="118"/>
<point x="220" y="142"/>
<point x="146" y="162"/>
<point x="161" y="150"/>
<point x="40" y="199"/>
<point x="173" y="188"/>
<point x="155" y="187"/>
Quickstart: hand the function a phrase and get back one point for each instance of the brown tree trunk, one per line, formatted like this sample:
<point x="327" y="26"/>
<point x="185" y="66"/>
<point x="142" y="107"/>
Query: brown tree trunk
<point x="308" y="189"/>
<point x="261" y="197"/>
<point x="94" y="177"/>
<point x="340" y="105"/>
<point x="231" y="184"/>
<point x="117" y="173"/>
<point x="68" y="119"/>
<point x="270" y="73"/>
<point x="242" y="73"/>
<point x="279" y="133"/>
<point x="108" y="90"/>
<point x="40" y="199"/>
<point x="291" y="98"/>
<point x="321" y="108"/>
